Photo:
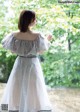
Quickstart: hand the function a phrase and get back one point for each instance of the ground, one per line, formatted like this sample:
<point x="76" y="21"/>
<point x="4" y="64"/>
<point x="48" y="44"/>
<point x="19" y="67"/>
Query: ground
<point x="62" y="99"/>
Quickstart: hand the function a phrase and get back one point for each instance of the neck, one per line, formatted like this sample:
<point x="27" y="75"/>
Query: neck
<point x="29" y="30"/>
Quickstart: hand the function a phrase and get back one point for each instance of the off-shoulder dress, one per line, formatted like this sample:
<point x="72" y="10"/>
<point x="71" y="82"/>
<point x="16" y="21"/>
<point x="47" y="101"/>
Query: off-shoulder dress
<point x="25" y="90"/>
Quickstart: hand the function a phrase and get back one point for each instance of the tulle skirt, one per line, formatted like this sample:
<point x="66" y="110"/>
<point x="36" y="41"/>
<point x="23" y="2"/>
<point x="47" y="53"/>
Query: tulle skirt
<point x="25" y="90"/>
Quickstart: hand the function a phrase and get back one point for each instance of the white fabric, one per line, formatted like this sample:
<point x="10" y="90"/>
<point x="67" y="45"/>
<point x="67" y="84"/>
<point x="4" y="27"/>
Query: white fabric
<point x="25" y="90"/>
<point x="25" y="47"/>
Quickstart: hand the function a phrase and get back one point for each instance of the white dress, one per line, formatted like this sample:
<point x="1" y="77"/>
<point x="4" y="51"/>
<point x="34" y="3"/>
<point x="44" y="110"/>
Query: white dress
<point x="25" y="90"/>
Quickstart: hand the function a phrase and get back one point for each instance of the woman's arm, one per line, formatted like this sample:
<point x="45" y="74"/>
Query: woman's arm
<point x="49" y="37"/>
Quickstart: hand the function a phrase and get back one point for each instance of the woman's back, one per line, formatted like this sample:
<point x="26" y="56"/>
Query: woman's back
<point x="29" y="35"/>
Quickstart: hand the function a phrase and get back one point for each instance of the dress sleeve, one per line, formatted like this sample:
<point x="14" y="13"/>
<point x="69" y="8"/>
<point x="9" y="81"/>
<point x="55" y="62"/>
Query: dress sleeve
<point x="7" y="41"/>
<point x="44" y="44"/>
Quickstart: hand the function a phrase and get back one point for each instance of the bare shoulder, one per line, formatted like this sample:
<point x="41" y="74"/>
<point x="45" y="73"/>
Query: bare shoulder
<point x="40" y="35"/>
<point x="27" y="35"/>
<point x="35" y="34"/>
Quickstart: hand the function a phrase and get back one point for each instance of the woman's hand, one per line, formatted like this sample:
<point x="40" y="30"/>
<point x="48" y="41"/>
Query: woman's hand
<point x="49" y="37"/>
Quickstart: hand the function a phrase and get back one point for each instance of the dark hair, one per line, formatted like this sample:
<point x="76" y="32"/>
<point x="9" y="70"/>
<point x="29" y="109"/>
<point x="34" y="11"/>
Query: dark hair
<point x="26" y="17"/>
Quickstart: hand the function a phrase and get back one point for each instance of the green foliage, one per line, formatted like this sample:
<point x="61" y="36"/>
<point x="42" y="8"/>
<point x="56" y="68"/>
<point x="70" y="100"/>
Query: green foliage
<point x="62" y="69"/>
<point x="61" y="66"/>
<point x="6" y="64"/>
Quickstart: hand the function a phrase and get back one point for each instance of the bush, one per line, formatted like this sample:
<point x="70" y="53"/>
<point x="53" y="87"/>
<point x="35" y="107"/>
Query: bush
<point x="6" y="64"/>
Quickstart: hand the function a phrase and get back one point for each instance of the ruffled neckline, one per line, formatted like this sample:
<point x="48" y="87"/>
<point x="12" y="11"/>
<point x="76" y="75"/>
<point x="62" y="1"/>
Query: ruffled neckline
<point x="25" y="40"/>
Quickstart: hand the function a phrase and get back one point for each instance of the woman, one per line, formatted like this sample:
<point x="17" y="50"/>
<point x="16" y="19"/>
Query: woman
<point x="25" y="90"/>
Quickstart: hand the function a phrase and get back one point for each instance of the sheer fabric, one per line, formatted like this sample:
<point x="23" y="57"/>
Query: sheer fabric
<point x="25" y="90"/>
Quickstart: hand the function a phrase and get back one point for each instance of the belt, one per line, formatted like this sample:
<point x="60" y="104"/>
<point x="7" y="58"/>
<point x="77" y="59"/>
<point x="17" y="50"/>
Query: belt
<point x="31" y="56"/>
